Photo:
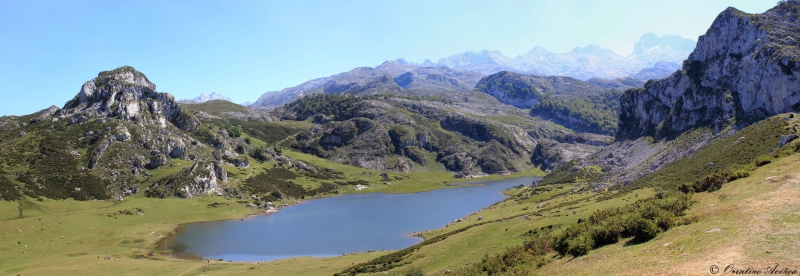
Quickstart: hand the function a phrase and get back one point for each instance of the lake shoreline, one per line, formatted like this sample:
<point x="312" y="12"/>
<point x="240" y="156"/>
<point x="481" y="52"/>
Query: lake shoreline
<point x="164" y="243"/>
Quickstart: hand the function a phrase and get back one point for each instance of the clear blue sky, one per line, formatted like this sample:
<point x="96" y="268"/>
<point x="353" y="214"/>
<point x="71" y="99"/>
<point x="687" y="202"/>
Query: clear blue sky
<point x="242" y="49"/>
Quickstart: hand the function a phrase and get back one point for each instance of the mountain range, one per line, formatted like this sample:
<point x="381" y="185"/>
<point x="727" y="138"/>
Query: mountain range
<point x="653" y="57"/>
<point x="591" y="61"/>
<point x="204" y="98"/>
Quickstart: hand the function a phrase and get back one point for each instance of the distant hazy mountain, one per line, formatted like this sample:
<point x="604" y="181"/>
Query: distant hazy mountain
<point x="204" y="98"/>
<point x="582" y="63"/>
<point x="653" y="57"/>
<point x="660" y="70"/>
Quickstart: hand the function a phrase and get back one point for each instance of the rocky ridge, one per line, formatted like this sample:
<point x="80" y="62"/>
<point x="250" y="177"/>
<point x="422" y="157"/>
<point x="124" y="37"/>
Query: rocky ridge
<point x="109" y="137"/>
<point x="387" y="77"/>
<point x="744" y="69"/>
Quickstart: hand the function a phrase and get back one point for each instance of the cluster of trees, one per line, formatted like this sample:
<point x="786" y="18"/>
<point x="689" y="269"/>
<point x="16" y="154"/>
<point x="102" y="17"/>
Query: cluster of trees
<point x="596" y="113"/>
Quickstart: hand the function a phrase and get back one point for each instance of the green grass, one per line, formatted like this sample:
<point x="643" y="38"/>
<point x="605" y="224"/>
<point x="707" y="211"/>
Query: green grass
<point x="754" y="215"/>
<point x="490" y="236"/>
<point x="215" y="107"/>
<point x="88" y="232"/>
<point x="732" y="154"/>
<point x="92" y="227"/>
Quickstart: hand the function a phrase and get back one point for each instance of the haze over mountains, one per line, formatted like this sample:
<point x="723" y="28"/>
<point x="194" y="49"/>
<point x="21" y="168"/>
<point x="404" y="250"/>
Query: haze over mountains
<point x="204" y="98"/>
<point x="591" y="61"/>
<point x="653" y="57"/>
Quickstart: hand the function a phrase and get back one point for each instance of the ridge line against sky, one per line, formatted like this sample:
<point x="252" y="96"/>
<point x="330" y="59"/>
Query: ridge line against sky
<point x="245" y="48"/>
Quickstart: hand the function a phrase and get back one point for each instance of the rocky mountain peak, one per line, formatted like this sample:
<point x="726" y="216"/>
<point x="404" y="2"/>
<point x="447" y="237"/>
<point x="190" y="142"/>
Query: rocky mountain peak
<point x="650" y="42"/>
<point x="539" y="50"/>
<point x="126" y="94"/>
<point x="474" y="58"/>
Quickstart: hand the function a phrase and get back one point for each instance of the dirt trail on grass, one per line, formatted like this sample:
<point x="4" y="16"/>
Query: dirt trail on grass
<point x="755" y="245"/>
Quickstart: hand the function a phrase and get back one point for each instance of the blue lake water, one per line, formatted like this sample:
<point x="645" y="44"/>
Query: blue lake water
<point x="336" y="225"/>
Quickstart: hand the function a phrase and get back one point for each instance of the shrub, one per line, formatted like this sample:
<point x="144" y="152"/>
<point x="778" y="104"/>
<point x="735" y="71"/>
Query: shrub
<point x="259" y="154"/>
<point x="581" y="244"/>
<point x="642" y="221"/>
<point x="762" y="160"/>
<point x="234" y="132"/>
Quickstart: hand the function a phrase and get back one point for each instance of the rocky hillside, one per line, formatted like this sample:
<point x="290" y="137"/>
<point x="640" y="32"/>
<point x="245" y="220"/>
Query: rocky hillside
<point x="580" y="105"/>
<point x="385" y="78"/>
<point x="745" y="67"/>
<point x="109" y="138"/>
<point x="466" y="132"/>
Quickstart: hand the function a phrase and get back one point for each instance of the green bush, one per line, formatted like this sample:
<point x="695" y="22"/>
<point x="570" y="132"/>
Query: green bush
<point x="762" y="160"/>
<point x="259" y="154"/>
<point x="234" y="132"/>
<point x="642" y="221"/>
<point x="8" y="191"/>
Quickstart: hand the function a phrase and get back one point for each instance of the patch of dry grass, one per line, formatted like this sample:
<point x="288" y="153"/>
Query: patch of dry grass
<point x="752" y="222"/>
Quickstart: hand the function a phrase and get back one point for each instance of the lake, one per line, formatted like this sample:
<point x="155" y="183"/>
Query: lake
<point x="336" y="225"/>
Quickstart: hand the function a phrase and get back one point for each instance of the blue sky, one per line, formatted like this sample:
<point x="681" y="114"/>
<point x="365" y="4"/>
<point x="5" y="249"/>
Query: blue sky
<point x="244" y="48"/>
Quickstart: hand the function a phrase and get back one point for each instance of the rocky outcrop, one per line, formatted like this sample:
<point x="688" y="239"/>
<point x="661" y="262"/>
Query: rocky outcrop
<point x="391" y="76"/>
<point x="126" y="94"/>
<point x="395" y="134"/>
<point x="44" y="114"/>
<point x="744" y="68"/>
<point x="202" y="178"/>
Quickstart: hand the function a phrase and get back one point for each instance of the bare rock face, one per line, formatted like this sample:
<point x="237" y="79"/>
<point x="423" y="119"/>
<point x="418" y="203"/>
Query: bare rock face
<point x="126" y="94"/>
<point x="745" y="67"/>
<point x="203" y="178"/>
<point x="177" y="153"/>
<point x="157" y="160"/>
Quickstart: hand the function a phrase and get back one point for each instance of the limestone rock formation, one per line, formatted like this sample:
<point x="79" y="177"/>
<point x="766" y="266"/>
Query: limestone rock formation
<point x="202" y="178"/>
<point x="745" y="67"/>
<point x="126" y="94"/>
